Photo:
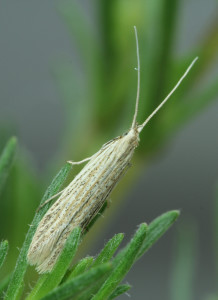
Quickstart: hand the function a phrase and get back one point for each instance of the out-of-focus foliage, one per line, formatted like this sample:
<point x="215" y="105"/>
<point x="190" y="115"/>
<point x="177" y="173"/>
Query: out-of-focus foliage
<point x="184" y="263"/>
<point x="105" y="87"/>
<point x="6" y="160"/>
<point x="98" y="92"/>
<point x="186" y="259"/>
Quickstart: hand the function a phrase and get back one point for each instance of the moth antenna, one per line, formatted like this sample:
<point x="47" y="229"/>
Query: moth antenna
<point x="140" y="127"/>
<point x="138" y="84"/>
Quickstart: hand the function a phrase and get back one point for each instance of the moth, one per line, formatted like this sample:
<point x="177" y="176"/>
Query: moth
<point x="82" y="199"/>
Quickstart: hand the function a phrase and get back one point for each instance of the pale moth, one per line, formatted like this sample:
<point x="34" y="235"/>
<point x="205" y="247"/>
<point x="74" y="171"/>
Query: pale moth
<point x="82" y="199"/>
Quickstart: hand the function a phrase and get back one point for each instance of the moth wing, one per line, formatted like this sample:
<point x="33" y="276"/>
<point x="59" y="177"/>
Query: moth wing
<point x="41" y="246"/>
<point x="47" y="234"/>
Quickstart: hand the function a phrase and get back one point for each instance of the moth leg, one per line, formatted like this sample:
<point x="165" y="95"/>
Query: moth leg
<point x="49" y="199"/>
<point x="79" y="162"/>
<point x="59" y="193"/>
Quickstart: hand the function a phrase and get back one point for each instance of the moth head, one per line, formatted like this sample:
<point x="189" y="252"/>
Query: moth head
<point x="132" y="136"/>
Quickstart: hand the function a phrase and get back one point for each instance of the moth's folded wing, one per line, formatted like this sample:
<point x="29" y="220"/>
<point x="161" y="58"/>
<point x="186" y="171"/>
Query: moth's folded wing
<point x="42" y="245"/>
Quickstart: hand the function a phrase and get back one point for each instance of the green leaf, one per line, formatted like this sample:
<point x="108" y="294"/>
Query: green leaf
<point x="89" y="292"/>
<point x="21" y="265"/>
<point x="48" y="282"/>
<point x="72" y="288"/>
<point x="93" y="288"/>
<point x="119" y="291"/>
<point x="3" y="251"/>
<point x="103" y="257"/>
<point x="123" y="266"/>
<point x="109" y="249"/>
<point x="6" y="160"/>
<point x="80" y="267"/>
<point x="157" y="228"/>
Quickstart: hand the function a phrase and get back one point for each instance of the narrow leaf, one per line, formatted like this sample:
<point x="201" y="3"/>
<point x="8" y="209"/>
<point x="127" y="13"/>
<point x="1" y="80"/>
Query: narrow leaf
<point x="6" y="160"/>
<point x="104" y="256"/>
<point x="91" y="290"/>
<point x="123" y="265"/>
<point x="48" y="282"/>
<point x="21" y="265"/>
<point x="119" y="291"/>
<point x="109" y="249"/>
<point x="157" y="228"/>
<point x="70" y="289"/>
<point x="81" y="267"/>
<point x="3" y="251"/>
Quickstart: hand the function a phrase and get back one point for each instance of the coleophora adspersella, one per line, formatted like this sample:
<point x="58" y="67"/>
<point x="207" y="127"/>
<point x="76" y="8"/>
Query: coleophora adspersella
<point x="82" y="199"/>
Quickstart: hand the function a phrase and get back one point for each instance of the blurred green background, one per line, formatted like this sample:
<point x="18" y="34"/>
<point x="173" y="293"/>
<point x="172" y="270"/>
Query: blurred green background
<point x="68" y="85"/>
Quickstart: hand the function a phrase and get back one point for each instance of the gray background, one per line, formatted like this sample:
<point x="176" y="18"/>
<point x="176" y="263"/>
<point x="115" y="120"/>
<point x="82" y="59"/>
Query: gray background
<point x="32" y="35"/>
